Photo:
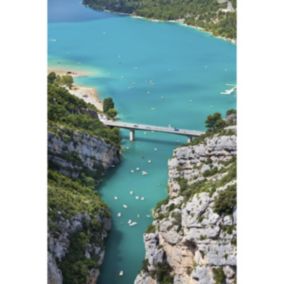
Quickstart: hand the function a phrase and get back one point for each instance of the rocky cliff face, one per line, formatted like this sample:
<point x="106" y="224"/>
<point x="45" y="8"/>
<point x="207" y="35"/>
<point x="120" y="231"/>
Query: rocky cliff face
<point x="73" y="152"/>
<point x="193" y="236"/>
<point x="76" y="237"/>
<point x="80" y="150"/>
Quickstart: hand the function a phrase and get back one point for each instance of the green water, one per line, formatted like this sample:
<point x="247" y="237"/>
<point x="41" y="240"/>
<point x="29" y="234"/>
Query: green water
<point x="157" y="73"/>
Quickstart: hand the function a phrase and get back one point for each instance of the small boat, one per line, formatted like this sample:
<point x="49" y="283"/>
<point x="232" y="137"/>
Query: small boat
<point x="133" y="224"/>
<point x="124" y="206"/>
<point x="120" y="273"/>
<point x="137" y="169"/>
<point x="229" y="91"/>
<point x="132" y="171"/>
<point x="148" y="216"/>
<point x="119" y="214"/>
<point x="142" y="198"/>
<point x="130" y="192"/>
<point x="144" y="173"/>
<point x="129" y="221"/>
<point x="149" y="161"/>
<point x="155" y="149"/>
<point x="138" y="215"/>
<point x="136" y="197"/>
<point x="115" y="197"/>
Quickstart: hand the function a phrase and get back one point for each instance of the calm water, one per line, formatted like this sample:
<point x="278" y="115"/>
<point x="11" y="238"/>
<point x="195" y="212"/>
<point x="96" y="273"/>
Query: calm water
<point x="157" y="73"/>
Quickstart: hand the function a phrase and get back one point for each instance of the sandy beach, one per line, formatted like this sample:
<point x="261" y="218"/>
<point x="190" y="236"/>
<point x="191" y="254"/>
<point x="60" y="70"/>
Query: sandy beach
<point x="67" y="71"/>
<point x="88" y="94"/>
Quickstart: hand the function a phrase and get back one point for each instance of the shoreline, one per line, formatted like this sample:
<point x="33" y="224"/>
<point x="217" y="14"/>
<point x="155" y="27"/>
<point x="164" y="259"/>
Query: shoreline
<point x="88" y="94"/>
<point x="67" y="71"/>
<point x="182" y="23"/>
<point x="178" y="22"/>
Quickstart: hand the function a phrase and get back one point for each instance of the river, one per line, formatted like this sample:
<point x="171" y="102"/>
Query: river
<point x="157" y="73"/>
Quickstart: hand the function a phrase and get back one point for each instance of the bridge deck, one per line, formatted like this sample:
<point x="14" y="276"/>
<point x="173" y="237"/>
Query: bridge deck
<point x="145" y="127"/>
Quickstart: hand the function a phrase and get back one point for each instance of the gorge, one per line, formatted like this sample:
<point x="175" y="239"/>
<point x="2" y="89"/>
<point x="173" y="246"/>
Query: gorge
<point x="156" y="72"/>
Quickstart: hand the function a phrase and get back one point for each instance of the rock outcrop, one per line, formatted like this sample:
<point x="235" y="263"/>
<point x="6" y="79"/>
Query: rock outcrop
<point x="74" y="152"/>
<point x="80" y="151"/>
<point x="78" y="155"/>
<point x="192" y="239"/>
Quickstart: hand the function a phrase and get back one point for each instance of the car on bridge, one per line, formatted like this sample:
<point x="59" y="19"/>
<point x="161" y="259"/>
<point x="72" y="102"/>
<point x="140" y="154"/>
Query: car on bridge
<point x="176" y="129"/>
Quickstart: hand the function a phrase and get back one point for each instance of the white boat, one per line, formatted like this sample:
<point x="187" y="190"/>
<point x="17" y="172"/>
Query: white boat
<point x="133" y="224"/>
<point x="124" y="206"/>
<point x="142" y="198"/>
<point x="132" y="171"/>
<point x="144" y="173"/>
<point x="149" y="161"/>
<point x="120" y="273"/>
<point x="136" y="197"/>
<point x="137" y="169"/>
<point x="130" y="192"/>
<point x="229" y="91"/>
<point x="115" y="197"/>
<point x="119" y="214"/>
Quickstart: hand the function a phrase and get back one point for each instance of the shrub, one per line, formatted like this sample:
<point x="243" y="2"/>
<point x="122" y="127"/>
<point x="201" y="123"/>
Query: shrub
<point x="219" y="275"/>
<point x="112" y="113"/>
<point x="182" y="183"/>
<point x="163" y="273"/>
<point x="108" y="104"/>
<point x="51" y="77"/>
<point x="225" y="202"/>
<point x="214" y="122"/>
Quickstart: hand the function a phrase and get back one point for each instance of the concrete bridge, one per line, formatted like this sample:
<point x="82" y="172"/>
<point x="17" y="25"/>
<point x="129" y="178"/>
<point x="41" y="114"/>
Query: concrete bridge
<point x="145" y="127"/>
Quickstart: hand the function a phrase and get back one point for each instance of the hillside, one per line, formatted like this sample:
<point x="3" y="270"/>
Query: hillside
<point x="193" y="236"/>
<point x="216" y="16"/>
<point x="80" y="151"/>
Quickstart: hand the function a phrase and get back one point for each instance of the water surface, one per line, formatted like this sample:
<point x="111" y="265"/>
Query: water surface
<point x="157" y="73"/>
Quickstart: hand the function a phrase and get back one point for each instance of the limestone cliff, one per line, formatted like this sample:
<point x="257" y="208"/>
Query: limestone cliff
<point x="193" y="236"/>
<point x="80" y="151"/>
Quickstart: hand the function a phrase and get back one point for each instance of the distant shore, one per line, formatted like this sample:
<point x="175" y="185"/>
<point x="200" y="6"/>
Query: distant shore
<point x="88" y="94"/>
<point x="178" y="21"/>
<point x="181" y="22"/>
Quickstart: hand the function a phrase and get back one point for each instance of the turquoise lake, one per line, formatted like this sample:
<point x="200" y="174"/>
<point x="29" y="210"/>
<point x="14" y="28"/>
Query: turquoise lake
<point x="157" y="73"/>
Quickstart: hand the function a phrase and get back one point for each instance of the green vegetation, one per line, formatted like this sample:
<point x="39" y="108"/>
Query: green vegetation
<point x="66" y="80"/>
<point x="69" y="112"/>
<point x="74" y="195"/>
<point x="219" y="275"/>
<point x="67" y="198"/>
<point x="150" y="229"/>
<point x="108" y="107"/>
<point x="226" y="201"/>
<point x="214" y="122"/>
<point x="51" y="77"/>
<point x="207" y="14"/>
<point x="215" y="125"/>
<point x="231" y="111"/>
<point x="71" y="197"/>
<point x="145" y="265"/>
<point x="162" y="202"/>
<point x="210" y="186"/>
<point x="75" y="266"/>
<point x="163" y="273"/>
<point x="108" y="104"/>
